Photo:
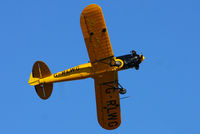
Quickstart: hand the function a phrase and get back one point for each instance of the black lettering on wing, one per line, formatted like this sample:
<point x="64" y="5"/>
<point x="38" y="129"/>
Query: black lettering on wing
<point x="110" y="109"/>
<point x="112" y="116"/>
<point x="108" y="90"/>
<point x="112" y="123"/>
<point x="111" y="103"/>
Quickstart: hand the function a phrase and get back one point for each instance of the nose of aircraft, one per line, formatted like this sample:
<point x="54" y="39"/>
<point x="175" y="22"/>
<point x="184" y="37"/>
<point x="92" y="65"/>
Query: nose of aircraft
<point x="142" y="58"/>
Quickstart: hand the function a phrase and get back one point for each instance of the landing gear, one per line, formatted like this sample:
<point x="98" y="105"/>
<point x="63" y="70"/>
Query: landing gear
<point x="122" y="91"/>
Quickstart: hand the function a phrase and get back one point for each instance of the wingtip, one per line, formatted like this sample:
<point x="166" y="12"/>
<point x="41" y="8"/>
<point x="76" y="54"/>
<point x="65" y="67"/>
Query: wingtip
<point x="91" y="6"/>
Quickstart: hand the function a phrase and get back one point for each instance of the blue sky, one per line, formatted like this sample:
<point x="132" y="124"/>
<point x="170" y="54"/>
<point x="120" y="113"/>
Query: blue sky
<point x="165" y="92"/>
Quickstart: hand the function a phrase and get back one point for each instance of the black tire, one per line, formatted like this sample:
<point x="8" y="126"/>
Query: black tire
<point x="122" y="91"/>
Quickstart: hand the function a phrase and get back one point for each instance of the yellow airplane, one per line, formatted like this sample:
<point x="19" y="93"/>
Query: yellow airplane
<point x="103" y="68"/>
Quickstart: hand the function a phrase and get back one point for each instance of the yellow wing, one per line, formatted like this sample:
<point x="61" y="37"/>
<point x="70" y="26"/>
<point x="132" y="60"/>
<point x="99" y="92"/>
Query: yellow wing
<point x="96" y="35"/>
<point x="107" y="100"/>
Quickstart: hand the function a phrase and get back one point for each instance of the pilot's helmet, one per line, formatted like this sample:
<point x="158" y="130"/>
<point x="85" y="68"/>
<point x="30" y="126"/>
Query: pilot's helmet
<point x="133" y="52"/>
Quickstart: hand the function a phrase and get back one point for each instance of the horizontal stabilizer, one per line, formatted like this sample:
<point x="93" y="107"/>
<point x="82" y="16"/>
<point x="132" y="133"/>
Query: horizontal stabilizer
<point x="44" y="90"/>
<point x="40" y="70"/>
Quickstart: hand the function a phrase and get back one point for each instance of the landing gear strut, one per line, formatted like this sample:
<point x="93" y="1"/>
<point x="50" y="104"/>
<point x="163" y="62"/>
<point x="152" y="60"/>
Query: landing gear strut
<point x="121" y="89"/>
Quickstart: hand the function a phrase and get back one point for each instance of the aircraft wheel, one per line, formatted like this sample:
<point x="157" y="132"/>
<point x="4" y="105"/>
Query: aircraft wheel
<point x="122" y="91"/>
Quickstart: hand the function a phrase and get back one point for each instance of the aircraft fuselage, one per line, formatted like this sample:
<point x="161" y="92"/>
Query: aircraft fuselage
<point x="86" y="70"/>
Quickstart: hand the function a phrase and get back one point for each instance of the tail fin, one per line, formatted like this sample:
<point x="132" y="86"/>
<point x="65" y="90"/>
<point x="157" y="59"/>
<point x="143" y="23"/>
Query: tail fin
<point x="40" y="70"/>
<point x="33" y="81"/>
